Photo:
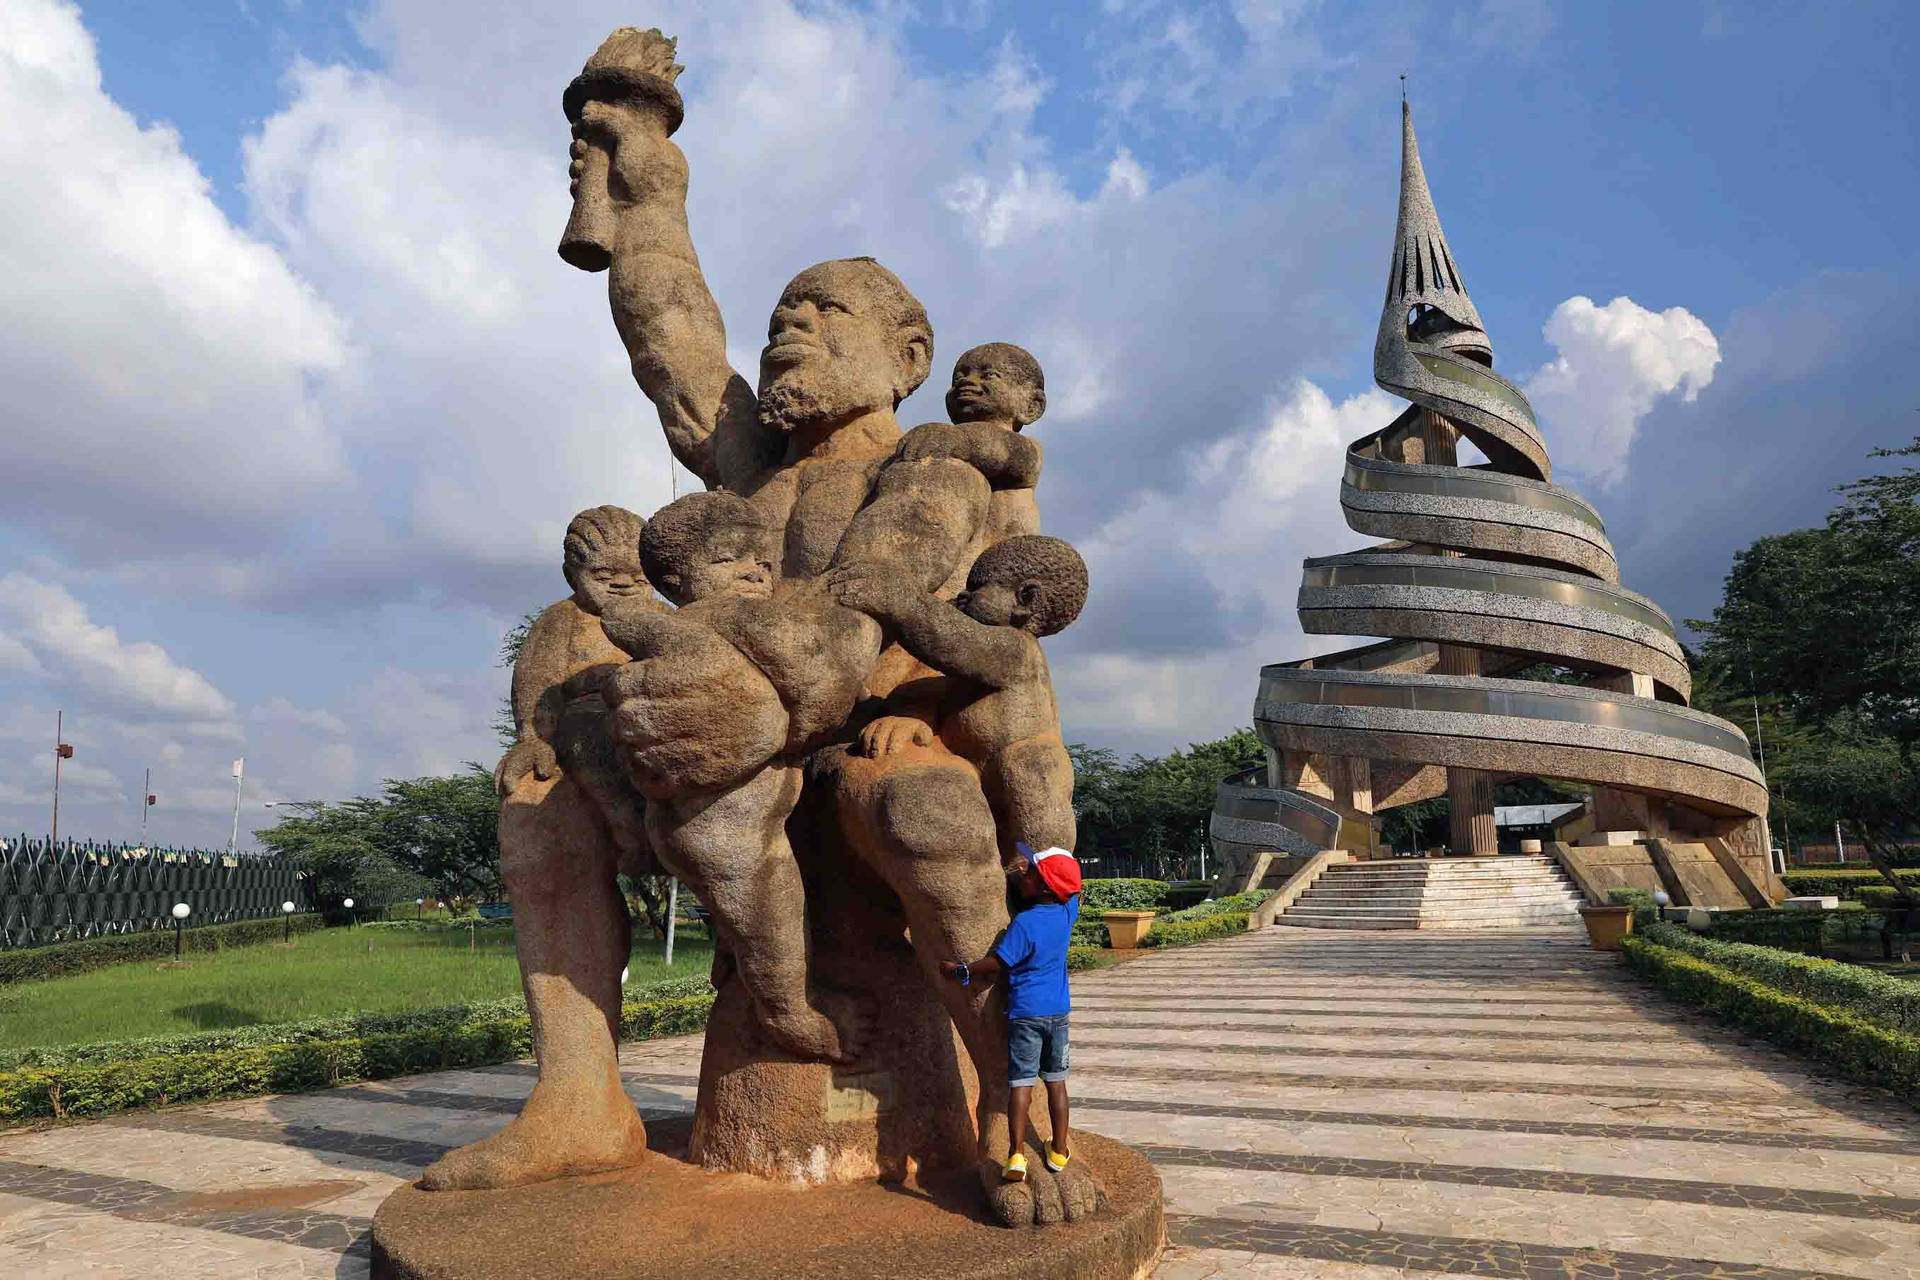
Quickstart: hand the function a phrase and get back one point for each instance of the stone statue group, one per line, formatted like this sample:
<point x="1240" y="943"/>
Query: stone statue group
<point x="834" y="734"/>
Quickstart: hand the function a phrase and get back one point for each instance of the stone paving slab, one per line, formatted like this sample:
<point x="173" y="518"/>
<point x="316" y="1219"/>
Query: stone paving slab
<point x="1320" y="1104"/>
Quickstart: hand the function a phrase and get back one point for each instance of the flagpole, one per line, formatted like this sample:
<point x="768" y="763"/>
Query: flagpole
<point x="239" y="774"/>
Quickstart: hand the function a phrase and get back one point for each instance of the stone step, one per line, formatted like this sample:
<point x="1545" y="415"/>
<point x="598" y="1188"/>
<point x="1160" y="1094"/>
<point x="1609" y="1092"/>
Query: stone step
<point x="1440" y="886"/>
<point x="1545" y="894"/>
<point x="1428" y="912"/>
<point x="1307" y="920"/>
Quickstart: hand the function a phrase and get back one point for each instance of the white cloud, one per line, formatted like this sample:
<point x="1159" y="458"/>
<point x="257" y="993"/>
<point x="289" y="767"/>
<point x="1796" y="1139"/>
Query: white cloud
<point x="1615" y="364"/>
<point x="281" y="711"/>
<point x="158" y="359"/>
<point x="94" y="662"/>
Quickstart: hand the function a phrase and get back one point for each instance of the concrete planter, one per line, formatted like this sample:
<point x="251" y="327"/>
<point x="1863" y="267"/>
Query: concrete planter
<point x="1607" y="925"/>
<point x="1125" y="929"/>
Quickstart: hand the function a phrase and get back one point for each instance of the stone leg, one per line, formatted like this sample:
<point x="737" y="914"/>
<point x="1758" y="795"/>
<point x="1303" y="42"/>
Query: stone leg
<point x="571" y="930"/>
<point x="733" y="849"/>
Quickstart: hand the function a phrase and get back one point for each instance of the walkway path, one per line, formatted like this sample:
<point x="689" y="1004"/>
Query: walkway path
<point x="1330" y="1105"/>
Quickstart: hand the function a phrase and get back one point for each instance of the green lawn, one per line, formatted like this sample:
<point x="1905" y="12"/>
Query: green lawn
<point x="334" y="971"/>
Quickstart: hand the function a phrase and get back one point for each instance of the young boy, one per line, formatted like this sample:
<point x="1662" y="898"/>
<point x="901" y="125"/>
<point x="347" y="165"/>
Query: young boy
<point x="1033" y="955"/>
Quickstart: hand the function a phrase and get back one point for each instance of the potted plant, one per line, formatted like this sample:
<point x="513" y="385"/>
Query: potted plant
<point x="1607" y="925"/>
<point x="1125" y="929"/>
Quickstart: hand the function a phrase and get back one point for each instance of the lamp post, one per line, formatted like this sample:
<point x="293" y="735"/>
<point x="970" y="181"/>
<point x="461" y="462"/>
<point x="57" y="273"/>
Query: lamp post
<point x="239" y="777"/>
<point x="419" y="908"/>
<point x="347" y="903"/>
<point x="61" y="751"/>
<point x="286" y="909"/>
<point x="180" y="913"/>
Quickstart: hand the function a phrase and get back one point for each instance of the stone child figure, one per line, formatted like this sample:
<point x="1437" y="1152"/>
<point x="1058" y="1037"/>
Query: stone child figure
<point x="724" y="831"/>
<point x="997" y="390"/>
<point x="998" y="711"/>
<point x="570" y="822"/>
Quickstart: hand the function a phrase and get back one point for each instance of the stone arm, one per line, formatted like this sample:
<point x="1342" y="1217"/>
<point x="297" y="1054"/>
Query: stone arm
<point x="1007" y="459"/>
<point x="936" y="632"/>
<point x="630" y="189"/>
<point x="538" y="696"/>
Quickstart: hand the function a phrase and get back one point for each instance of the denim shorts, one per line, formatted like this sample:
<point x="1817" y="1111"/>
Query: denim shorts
<point x="1036" y="1049"/>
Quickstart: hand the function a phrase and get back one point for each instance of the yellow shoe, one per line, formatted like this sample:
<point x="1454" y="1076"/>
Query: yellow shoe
<point x="1055" y="1161"/>
<point x="1016" y="1168"/>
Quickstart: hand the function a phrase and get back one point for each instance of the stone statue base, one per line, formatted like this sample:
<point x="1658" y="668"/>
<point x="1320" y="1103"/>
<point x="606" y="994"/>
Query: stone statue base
<point x="671" y="1218"/>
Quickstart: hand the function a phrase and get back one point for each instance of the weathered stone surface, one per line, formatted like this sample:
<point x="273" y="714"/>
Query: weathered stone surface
<point x="672" y="1219"/>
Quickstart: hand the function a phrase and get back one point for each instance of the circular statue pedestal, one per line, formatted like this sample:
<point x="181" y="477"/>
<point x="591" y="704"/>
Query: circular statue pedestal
<point x="670" y="1218"/>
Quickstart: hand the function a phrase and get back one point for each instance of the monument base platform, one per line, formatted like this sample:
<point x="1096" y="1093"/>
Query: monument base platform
<point x="671" y="1218"/>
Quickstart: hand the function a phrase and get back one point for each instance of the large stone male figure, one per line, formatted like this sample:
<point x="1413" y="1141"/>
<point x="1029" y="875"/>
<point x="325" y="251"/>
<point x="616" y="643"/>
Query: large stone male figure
<point x="847" y="342"/>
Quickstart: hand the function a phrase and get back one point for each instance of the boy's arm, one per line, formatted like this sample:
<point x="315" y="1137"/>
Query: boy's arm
<point x="934" y="631"/>
<point x="1007" y="459"/>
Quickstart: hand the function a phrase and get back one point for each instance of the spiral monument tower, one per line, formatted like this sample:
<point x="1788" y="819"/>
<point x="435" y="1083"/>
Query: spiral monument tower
<point x="1488" y="572"/>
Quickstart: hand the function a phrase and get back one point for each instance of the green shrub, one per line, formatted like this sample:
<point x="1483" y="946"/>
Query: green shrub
<point x="94" y="1088"/>
<point x="63" y="959"/>
<point x="1121" y="895"/>
<point x="440" y="924"/>
<point x="1861" y="1047"/>
<point x="1863" y="993"/>
<point x="1790" y="930"/>
<point x="1185" y="893"/>
<point x="1168" y="932"/>
<point x="1243" y="903"/>
<point x="1629" y="898"/>
<point x="1878" y="896"/>
<point x="1090" y="933"/>
<point x="1845" y="883"/>
<point x="1079" y="958"/>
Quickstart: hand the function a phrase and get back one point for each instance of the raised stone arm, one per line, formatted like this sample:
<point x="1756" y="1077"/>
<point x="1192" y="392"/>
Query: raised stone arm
<point x="629" y="184"/>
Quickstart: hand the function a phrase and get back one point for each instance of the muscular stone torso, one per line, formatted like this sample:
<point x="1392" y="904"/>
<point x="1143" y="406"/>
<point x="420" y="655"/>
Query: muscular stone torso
<point x="813" y="501"/>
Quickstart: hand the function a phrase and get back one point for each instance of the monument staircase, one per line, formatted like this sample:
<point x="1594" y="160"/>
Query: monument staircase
<point x="1437" y="893"/>
<point x="1513" y="649"/>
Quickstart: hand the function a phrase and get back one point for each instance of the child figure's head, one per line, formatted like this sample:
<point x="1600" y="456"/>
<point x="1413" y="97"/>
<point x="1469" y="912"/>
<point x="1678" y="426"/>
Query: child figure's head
<point x="601" y="558"/>
<point x="1032" y="582"/>
<point x="707" y="544"/>
<point x="998" y="383"/>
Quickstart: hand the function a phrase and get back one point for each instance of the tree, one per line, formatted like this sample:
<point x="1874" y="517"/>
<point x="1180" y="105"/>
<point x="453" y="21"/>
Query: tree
<point x="1154" y="809"/>
<point x="504" y="726"/>
<point x="420" y="835"/>
<point x="1825" y="624"/>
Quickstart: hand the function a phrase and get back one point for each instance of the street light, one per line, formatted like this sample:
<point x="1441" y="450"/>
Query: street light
<point x="180" y="913"/>
<point x="348" y="904"/>
<point x="286" y="909"/>
<point x="419" y="907"/>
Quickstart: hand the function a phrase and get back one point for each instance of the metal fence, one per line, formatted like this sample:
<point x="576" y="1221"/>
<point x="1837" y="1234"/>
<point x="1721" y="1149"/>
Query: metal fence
<point x="82" y="889"/>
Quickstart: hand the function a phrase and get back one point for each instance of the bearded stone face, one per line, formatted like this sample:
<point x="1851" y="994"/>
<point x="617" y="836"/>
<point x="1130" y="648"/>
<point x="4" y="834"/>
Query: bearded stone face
<point x="835" y="350"/>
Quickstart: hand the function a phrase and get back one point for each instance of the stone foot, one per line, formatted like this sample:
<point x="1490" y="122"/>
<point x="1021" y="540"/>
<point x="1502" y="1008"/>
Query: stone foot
<point x="558" y="1134"/>
<point x="1045" y="1197"/>
<point x="835" y="1032"/>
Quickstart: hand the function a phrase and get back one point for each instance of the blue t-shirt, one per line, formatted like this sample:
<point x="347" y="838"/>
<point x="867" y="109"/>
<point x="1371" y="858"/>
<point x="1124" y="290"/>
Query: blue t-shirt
<point x="1034" y="949"/>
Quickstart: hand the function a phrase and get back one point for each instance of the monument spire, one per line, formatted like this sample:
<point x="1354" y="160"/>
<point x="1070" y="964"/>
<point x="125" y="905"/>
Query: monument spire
<point x="1423" y="276"/>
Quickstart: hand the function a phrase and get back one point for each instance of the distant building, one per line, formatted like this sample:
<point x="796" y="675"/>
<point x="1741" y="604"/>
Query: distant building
<point x="1542" y="822"/>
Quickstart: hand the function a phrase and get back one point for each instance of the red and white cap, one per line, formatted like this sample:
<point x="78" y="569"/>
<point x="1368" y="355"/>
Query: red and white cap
<point x="1058" y="869"/>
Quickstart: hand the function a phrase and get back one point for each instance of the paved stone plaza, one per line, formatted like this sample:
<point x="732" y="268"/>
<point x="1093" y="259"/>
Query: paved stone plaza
<point x="1349" y="1106"/>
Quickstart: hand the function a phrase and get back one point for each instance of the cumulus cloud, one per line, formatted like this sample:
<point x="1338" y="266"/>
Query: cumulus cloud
<point x="141" y="324"/>
<point x="1615" y="364"/>
<point x="92" y="660"/>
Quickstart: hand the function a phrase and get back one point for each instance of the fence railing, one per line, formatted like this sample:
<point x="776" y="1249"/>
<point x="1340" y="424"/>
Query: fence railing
<point x="84" y="889"/>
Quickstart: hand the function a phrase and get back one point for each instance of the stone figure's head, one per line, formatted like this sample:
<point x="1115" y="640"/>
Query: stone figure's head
<point x="601" y="558"/>
<point x="626" y="86"/>
<point x="708" y="544"/>
<point x="1035" y="583"/>
<point x="846" y="338"/>
<point x="1000" y="383"/>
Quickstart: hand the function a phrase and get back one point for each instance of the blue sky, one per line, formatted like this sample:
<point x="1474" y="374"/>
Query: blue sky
<point x="301" y="397"/>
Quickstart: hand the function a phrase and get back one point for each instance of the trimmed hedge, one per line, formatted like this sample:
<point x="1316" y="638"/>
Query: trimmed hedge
<point x="1079" y="958"/>
<point x="1841" y="883"/>
<point x="64" y="959"/>
<point x="1789" y="930"/>
<point x="1866" y="993"/>
<point x="1184" y="933"/>
<point x="1859" y="1046"/>
<point x="80" y="1088"/>
<point x="1121" y="895"/>
<point x="1244" y="903"/>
